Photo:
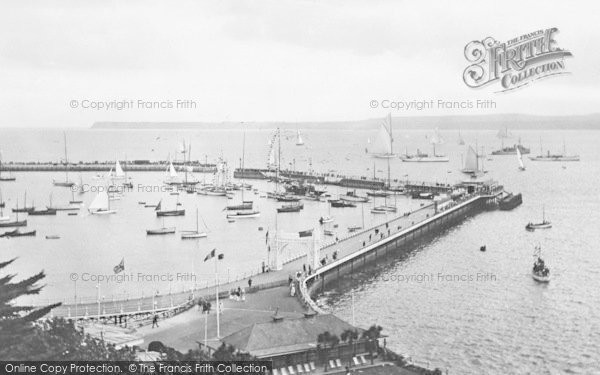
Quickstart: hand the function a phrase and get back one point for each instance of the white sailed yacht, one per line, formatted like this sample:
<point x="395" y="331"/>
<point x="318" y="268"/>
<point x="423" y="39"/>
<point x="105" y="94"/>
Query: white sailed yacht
<point x="471" y="165"/>
<point x="101" y="205"/>
<point x="299" y="141"/>
<point x="119" y="174"/>
<point x="384" y="145"/>
<point x="520" y="159"/>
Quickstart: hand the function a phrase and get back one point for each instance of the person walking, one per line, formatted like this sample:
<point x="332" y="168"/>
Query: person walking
<point x="155" y="321"/>
<point x="249" y="283"/>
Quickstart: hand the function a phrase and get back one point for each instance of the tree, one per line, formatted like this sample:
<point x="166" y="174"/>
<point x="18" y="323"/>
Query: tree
<point x="17" y="322"/>
<point x="371" y="335"/>
<point x="25" y="335"/>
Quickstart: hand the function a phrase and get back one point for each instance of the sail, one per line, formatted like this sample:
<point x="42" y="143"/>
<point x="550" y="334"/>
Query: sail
<point x="100" y="202"/>
<point x="172" y="171"/>
<point x="299" y="138"/>
<point x="118" y="170"/>
<point x="520" y="158"/>
<point x="436" y="139"/>
<point x="384" y="141"/>
<point x="272" y="157"/>
<point x="158" y="206"/>
<point x="504" y="133"/>
<point x="471" y="160"/>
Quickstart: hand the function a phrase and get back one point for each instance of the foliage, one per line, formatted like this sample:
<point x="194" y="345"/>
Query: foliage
<point x="24" y="335"/>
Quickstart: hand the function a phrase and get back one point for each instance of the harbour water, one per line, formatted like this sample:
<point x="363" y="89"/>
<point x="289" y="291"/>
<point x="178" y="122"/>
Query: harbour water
<point x="498" y="325"/>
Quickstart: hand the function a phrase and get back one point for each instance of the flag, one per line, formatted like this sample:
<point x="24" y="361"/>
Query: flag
<point x="210" y="255"/>
<point x="305" y="233"/>
<point x="119" y="267"/>
<point x="220" y="256"/>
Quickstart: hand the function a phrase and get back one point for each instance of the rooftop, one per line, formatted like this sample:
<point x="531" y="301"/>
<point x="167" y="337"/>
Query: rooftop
<point x="286" y="335"/>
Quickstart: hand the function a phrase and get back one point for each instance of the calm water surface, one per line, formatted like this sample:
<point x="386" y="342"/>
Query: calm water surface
<point x="501" y="324"/>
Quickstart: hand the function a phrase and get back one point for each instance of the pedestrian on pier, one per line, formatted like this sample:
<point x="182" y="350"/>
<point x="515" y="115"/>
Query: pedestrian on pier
<point x="304" y="267"/>
<point x="249" y="283"/>
<point x="155" y="321"/>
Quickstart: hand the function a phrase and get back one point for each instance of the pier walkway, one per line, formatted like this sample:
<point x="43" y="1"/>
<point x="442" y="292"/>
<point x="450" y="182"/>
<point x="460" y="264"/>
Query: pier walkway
<point x="344" y="247"/>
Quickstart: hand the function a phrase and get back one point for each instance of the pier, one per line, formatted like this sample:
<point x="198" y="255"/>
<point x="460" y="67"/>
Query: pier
<point x="103" y="166"/>
<point x="354" y="250"/>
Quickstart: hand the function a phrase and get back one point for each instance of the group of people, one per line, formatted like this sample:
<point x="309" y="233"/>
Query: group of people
<point x="239" y="294"/>
<point x="539" y="267"/>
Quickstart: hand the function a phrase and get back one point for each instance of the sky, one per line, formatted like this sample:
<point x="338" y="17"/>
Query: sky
<point x="275" y="60"/>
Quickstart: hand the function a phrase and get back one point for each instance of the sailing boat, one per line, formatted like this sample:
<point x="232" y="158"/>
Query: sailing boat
<point x="161" y="231"/>
<point x="191" y="234"/>
<point x="299" y="141"/>
<point x="554" y="157"/>
<point x="385" y="208"/>
<point x="520" y="159"/>
<point x="385" y="140"/>
<point x="44" y="212"/>
<point x="101" y="205"/>
<point x="119" y="173"/>
<point x="540" y="272"/>
<point x="10" y="177"/>
<point x="176" y="212"/>
<point x="244" y="210"/>
<point x="509" y="150"/>
<point x="2" y="204"/>
<point x="471" y="165"/>
<point x="545" y="224"/>
<point x="24" y="208"/>
<point x="66" y="182"/>
<point x="62" y="208"/>
<point x="420" y="157"/>
<point x="73" y="200"/>
<point x="16" y="223"/>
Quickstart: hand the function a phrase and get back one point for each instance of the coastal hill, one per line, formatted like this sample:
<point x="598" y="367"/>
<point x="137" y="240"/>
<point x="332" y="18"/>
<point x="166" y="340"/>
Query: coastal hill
<point x="513" y="121"/>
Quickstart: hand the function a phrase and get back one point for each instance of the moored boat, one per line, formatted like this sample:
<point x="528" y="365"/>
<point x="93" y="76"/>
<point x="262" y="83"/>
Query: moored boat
<point x="66" y="182"/>
<point x="43" y="212"/>
<point x="540" y="272"/>
<point x="243" y="215"/>
<point x="338" y="203"/>
<point x="160" y="231"/>
<point x="294" y="207"/>
<point x="510" y="201"/>
<point x="325" y="219"/>
<point x="544" y="224"/>
<point x="191" y="234"/>
<point x="15" y="223"/>
<point x="101" y="205"/>
<point x="18" y="233"/>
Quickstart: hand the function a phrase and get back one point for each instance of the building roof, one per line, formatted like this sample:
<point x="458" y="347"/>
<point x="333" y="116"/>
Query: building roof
<point x="286" y="336"/>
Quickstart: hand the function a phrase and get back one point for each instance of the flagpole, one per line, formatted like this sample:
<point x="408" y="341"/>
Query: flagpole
<point x="217" y="295"/>
<point x="206" y="331"/>
<point x="75" y="282"/>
